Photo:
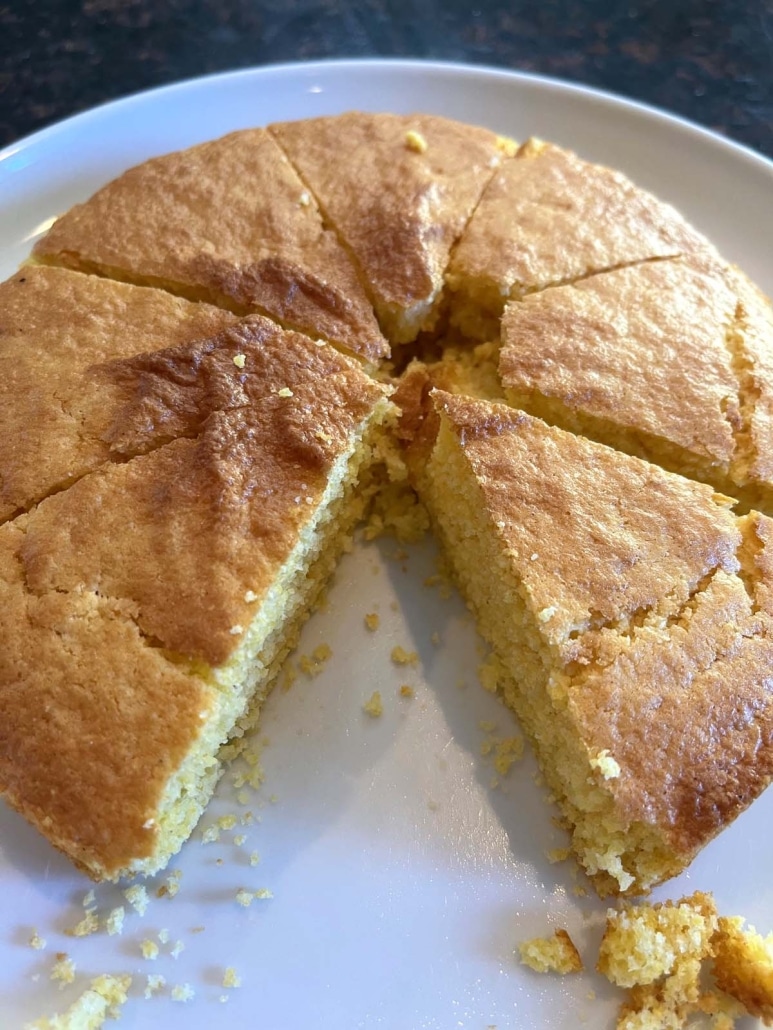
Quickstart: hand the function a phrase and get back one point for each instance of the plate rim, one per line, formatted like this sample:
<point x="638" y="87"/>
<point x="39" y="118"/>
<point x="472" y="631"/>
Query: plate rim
<point x="492" y="73"/>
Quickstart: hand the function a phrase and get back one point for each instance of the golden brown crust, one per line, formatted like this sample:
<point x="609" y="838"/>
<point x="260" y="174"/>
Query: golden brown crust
<point x="93" y="719"/>
<point x="643" y="348"/>
<point x="184" y="531"/>
<point x="398" y="208"/>
<point x="228" y="222"/>
<point x="548" y="218"/>
<point x="60" y="334"/>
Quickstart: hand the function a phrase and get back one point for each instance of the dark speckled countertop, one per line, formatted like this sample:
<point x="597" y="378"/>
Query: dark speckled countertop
<point x="710" y="60"/>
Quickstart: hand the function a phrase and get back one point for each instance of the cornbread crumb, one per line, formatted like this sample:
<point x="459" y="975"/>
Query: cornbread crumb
<point x="88" y="925"/>
<point x="163" y="936"/>
<point x="227" y="822"/>
<point x="263" y="894"/>
<point x="313" y="664"/>
<point x="372" y="621"/>
<point x="491" y="673"/>
<point x="239" y="839"/>
<point x="230" y="978"/>
<point x="240" y="360"/>
<point x="415" y="141"/>
<point x="285" y="392"/>
<point x="374" y="706"/>
<point x="402" y="657"/>
<point x="254" y="858"/>
<point x="289" y="677"/>
<point x="605" y="764"/>
<point x="138" y="898"/>
<point x="37" y="942"/>
<point x="211" y="834"/>
<point x="558" y="855"/>
<point x="177" y="950"/>
<point x="183" y="992"/>
<point x="406" y="691"/>
<point x="154" y="984"/>
<point x="89" y="899"/>
<point x="556" y="954"/>
<point x="102" y="998"/>
<point x="63" y="969"/>
<point x="114" y="921"/>
<point x="149" y="949"/>
<point x="250" y="596"/>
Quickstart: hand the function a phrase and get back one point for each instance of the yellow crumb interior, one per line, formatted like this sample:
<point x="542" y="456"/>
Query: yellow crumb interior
<point x="241" y="685"/>
<point x="619" y="855"/>
<point x="556" y="954"/>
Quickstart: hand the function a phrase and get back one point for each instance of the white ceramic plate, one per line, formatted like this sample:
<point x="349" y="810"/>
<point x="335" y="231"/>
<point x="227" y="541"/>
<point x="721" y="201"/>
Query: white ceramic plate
<point x="402" y="882"/>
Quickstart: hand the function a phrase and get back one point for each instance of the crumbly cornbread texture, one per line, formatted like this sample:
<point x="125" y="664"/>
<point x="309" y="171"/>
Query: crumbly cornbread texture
<point x="556" y="954"/>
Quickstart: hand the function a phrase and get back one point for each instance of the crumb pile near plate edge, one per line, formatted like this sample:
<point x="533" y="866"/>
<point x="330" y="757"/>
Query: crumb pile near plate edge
<point x="475" y="176"/>
<point x="677" y="960"/>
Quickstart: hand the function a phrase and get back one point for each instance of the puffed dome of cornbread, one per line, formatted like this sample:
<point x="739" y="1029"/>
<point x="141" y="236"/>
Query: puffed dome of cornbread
<point x="226" y="359"/>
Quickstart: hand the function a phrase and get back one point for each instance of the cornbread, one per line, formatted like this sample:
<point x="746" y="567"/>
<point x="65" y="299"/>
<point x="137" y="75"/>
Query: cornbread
<point x="183" y="465"/>
<point x="548" y="218"/>
<point x="244" y="496"/>
<point x="399" y="190"/>
<point x="658" y="360"/>
<point x="555" y="954"/>
<point x="222" y="222"/>
<point x="620" y="600"/>
<point x="102" y="1000"/>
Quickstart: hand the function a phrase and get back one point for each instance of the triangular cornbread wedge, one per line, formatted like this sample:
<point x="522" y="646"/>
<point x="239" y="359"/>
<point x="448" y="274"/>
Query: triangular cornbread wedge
<point x="548" y="218"/>
<point x="146" y="609"/>
<point x="399" y="190"/>
<point x="664" y="359"/>
<point x="630" y="612"/>
<point x="64" y="337"/>
<point x="227" y="222"/>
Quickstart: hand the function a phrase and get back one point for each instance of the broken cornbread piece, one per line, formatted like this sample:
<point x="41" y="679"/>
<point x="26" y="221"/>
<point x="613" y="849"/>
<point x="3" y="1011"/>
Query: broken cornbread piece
<point x="670" y="360"/>
<point x="118" y="595"/>
<point x="661" y="598"/>
<point x="547" y="217"/>
<point x="224" y="227"/>
<point x="63" y="969"/>
<point x="398" y="208"/>
<point x="102" y="1000"/>
<point x="556" y="954"/>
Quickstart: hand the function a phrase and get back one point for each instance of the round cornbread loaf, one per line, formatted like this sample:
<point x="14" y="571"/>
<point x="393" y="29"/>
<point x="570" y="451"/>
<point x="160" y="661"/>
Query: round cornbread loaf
<point x="196" y="358"/>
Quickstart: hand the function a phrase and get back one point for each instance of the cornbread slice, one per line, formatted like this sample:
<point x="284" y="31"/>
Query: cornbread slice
<point x="664" y="360"/>
<point x="548" y="218"/>
<point x="63" y="337"/>
<point x="399" y="190"/>
<point x="227" y="222"/>
<point x="622" y="600"/>
<point x="146" y="609"/>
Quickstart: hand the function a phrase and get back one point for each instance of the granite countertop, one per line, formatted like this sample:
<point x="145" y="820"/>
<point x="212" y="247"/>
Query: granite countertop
<point x="709" y="60"/>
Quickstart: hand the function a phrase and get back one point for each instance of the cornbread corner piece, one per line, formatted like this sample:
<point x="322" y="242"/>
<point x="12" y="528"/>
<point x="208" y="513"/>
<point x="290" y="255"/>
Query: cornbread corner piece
<point x="670" y="360"/>
<point x="547" y="218"/>
<point x="743" y="966"/>
<point x="621" y="601"/>
<point x="65" y="337"/>
<point x="228" y="222"/>
<point x="120" y="675"/>
<point x="556" y="954"/>
<point x="100" y="1001"/>
<point x="399" y="190"/>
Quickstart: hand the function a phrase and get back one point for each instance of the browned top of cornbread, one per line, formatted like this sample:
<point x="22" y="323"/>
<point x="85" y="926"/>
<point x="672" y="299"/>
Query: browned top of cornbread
<point x="61" y="335"/>
<point x="398" y="189"/>
<point x="653" y="598"/>
<point x="183" y="532"/>
<point x="642" y="348"/>
<point x="562" y="498"/>
<point x="228" y="222"/>
<point x="119" y="715"/>
<point x="548" y="217"/>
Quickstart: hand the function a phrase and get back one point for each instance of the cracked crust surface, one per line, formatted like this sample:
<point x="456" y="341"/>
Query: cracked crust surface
<point x="649" y="598"/>
<point x="548" y="218"/>
<point x="227" y="222"/>
<point x="398" y="207"/>
<point x="63" y="334"/>
<point x="660" y="359"/>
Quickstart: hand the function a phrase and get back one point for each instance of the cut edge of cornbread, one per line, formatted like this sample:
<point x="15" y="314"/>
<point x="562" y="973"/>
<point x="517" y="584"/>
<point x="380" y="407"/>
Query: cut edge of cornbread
<point x="242" y="683"/>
